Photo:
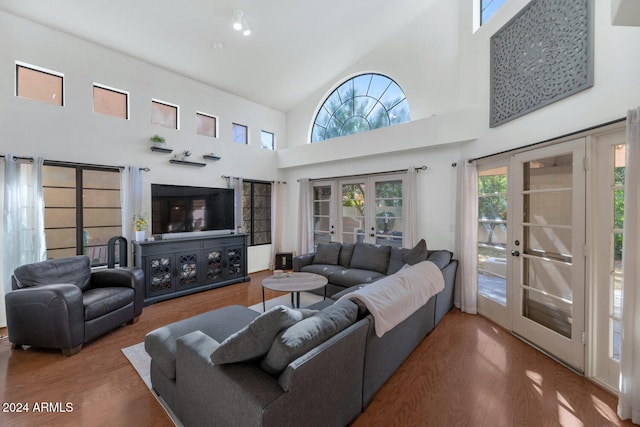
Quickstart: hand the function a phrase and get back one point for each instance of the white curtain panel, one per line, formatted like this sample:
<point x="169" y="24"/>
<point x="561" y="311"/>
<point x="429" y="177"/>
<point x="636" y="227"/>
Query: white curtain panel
<point x="276" y="238"/>
<point x="629" y="397"/>
<point x="131" y="202"/>
<point x="304" y="240"/>
<point x="467" y="228"/>
<point x="410" y="202"/>
<point x="236" y="183"/>
<point x="23" y="238"/>
<point x="130" y="198"/>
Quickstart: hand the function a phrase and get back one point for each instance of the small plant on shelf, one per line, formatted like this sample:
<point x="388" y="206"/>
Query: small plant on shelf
<point x="140" y="222"/>
<point x="157" y="140"/>
<point x="186" y="153"/>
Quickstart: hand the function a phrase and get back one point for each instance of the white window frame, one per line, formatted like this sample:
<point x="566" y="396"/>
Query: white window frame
<point x="168" y="104"/>
<point x="211" y="116"/>
<point x="42" y="70"/>
<point x="113" y="89"/>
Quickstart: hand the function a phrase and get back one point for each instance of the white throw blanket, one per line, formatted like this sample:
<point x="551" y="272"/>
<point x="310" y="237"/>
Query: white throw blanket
<point x="394" y="298"/>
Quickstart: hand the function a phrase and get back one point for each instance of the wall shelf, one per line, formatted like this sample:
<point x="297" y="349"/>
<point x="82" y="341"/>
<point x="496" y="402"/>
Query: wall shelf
<point x="187" y="163"/>
<point x="211" y="157"/>
<point x="162" y="149"/>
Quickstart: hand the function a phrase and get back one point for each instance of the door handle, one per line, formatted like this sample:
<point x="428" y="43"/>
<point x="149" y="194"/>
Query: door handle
<point x="515" y="253"/>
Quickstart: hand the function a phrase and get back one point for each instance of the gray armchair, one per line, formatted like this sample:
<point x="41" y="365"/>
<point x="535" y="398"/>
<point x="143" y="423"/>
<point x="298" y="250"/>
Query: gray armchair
<point x="62" y="304"/>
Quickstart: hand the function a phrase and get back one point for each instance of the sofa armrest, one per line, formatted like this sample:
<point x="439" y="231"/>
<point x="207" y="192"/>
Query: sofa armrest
<point x="126" y="277"/>
<point x="300" y="261"/>
<point x="210" y="394"/>
<point x="444" y="299"/>
<point x="48" y="316"/>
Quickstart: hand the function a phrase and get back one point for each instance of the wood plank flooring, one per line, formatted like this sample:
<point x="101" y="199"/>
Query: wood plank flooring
<point x="467" y="372"/>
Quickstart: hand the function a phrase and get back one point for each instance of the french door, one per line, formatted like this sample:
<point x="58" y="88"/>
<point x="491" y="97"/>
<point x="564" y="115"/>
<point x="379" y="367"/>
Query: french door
<point x="492" y="255"/>
<point x="365" y="209"/>
<point x="546" y="249"/>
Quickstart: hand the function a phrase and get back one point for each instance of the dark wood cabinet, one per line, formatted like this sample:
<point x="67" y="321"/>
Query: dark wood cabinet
<point x="177" y="267"/>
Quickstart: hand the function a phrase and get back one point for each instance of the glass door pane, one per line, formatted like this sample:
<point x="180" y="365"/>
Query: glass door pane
<point x="615" y="280"/>
<point x="388" y="212"/>
<point x="322" y="213"/>
<point x="353" y="227"/>
<point x="547" y="233"/>
<point x="492" y="235"/>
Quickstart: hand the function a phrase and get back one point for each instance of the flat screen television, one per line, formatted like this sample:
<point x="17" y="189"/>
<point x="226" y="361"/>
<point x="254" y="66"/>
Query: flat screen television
<point x="184" y="209"/>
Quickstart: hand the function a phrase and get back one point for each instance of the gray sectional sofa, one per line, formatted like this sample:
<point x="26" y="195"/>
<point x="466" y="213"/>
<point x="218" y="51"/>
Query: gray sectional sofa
<point x="235" y="367"/>
<point x="346" y="265"/>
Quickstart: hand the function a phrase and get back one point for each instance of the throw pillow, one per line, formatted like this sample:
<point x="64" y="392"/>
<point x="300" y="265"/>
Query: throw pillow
<point x="417" y="254"/>
<point x="441" y="258"/>
<point x="370" y="257"/>
<point x="362" y="308"/>
<point x="307" y="334"/>
<point x="396" y="259"/>
<point x="254" y="340"/>
<point x="327" y="253"/>
<point x="346" y="252"/>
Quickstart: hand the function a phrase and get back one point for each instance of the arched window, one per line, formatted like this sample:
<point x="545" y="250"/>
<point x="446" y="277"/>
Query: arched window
<point x="362" y="103"/>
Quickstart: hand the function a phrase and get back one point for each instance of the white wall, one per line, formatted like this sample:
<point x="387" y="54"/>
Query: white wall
<point x="444" y="71"/>
<point x="74" y="133"/>
<point x="438" y="61"/>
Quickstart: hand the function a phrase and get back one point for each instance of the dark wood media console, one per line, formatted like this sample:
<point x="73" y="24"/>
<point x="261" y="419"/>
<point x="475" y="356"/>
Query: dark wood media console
<point x="178" y="267"/>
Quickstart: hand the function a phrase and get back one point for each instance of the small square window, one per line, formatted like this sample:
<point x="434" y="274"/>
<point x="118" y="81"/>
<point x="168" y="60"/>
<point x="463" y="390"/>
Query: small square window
<point x="164" y="114"/>
<point x="239" y="133"/>
<point x="40" y="85"/>
<point x="206" y="125"/>
<point x="267" y="140"/>
<point x="111" y="102"/>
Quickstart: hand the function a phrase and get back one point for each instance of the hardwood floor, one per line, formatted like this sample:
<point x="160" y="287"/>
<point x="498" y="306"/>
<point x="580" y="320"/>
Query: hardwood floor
<point x="467" y="372"/>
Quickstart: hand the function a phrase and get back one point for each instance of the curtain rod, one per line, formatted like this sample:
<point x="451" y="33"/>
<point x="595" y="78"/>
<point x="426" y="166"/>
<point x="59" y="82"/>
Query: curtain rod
<point x="418" y="169"/>
<point x="61" y="163"/>
<point x="550" y="139"/>
<point x="254" y="180"/>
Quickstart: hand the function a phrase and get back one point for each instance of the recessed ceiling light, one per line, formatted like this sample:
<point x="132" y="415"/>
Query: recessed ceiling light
<point x="237" y="19"/>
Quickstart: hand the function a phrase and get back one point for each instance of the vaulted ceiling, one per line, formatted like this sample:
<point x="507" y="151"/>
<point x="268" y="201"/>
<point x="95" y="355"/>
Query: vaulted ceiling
<point x="295" y="47"/>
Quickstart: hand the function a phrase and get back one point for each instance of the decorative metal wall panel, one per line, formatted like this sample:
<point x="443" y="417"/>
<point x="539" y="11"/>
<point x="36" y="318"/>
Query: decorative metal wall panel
<point x="542" y="55"/>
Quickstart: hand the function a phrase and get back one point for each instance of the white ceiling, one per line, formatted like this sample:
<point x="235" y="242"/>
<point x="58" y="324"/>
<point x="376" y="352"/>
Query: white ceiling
<point x="295" y="48"/>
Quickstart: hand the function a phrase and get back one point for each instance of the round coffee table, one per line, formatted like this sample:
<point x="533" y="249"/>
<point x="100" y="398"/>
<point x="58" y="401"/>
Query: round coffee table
<point x="295" y="283"/>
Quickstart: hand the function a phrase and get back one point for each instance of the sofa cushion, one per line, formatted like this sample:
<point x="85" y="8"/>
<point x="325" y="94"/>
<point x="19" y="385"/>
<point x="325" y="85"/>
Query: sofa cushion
<point x="322" y="269"/>
<point x="218" y="324"/>
<point x="307" y="334"/>
<point x="440" y="258"/>
<point x="417" y="254"/>
<point x="370" y="257"/>
<point x="254" y="340"/>
<point x="100" y="301"/>
<point x="396" y="259"/>
<point x="74" y="270"/>
<point x="353" y="276"/>
<point x="346" y="252"/>
<point x="327" y="253"/>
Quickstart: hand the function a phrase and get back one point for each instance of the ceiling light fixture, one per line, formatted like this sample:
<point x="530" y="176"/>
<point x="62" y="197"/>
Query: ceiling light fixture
<point x="237" y="19"/>
<point x="246" y="31"/>
<point x="239" y="23"/>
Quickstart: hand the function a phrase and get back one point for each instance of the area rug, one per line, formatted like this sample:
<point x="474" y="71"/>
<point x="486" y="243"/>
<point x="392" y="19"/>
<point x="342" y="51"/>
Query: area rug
<point x="140" y="359"/>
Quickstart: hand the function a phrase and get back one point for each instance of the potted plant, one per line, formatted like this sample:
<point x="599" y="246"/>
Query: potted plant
<point x="140" y="223"/>
<point x="157" y="140"/>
